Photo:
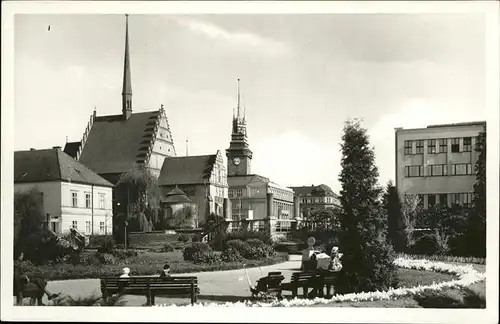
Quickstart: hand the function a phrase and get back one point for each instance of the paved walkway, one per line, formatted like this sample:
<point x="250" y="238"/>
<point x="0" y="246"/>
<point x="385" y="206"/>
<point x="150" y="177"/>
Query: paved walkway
<point x="216" y="286"/>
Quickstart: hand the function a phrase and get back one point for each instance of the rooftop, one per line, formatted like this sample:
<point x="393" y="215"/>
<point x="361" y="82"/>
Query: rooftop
<point x="472" y="123"/>
<point x="53" y="165"/>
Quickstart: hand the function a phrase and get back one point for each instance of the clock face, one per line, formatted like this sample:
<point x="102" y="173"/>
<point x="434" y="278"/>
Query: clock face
<point x="236" y="161"/>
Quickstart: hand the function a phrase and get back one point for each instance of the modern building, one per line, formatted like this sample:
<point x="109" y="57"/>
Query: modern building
<point x="202" y="178"/>
<point x="72" y="195"/>
<point x="115" y="144"/>
<point x="438" y="162"/>
<point x="315" y="197"/>
<point x="257" y="203"/>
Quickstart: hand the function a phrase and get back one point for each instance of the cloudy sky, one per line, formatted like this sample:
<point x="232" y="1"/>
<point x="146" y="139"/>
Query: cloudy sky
<point x="302" y="77"/>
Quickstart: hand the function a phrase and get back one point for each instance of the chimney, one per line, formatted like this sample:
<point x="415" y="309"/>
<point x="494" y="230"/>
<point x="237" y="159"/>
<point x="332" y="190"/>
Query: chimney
<point x="56" y="148"/>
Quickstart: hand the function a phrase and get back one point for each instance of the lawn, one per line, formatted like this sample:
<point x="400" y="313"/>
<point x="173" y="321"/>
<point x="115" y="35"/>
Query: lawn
<point x="145" y="263"/>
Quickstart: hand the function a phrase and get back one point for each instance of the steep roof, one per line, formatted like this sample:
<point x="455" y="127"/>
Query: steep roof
<point x="71" y="148"/>
<point x="176" y="195"/>
<point x="321" y="190"/>
<point x="114" y="145"/>
<point x="186" y="169"/>
<point x="52" y="165"/>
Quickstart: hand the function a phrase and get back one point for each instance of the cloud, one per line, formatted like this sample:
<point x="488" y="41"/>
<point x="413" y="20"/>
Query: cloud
<point x="294" y="158"/>
<point x="240" y="39"/>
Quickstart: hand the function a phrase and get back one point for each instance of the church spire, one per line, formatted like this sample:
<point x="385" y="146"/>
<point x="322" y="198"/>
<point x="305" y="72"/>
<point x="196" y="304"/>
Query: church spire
<point x="127" y="81"/>
<point x="239" y="123"/>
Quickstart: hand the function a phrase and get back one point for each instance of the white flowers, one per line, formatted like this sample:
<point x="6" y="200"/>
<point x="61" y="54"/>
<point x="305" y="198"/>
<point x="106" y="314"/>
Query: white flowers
<point x="467" y="275"/>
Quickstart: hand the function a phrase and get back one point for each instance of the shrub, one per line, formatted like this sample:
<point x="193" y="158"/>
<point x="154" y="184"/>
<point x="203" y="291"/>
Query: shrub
<point x="451" y="298"/>
<point x="101" y="240"/>
<point x="246" y="235"/>
<point x="168" y="248"/>
<point x="252" y="249"/>
<point x="106" y="258"/>
<point x="426" y="244"/>
<point x="189" y="251"/>
<point x="231" y="255"/>
<point x="183" y="238"/>
<point x="89" y="258"/>
<point x="208" y="257"/>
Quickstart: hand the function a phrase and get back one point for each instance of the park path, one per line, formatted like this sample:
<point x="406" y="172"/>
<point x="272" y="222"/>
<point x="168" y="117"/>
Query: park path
<point x="215" y="286"/>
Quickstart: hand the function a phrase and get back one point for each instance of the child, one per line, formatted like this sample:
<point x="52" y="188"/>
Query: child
<point x="166" y="271"/>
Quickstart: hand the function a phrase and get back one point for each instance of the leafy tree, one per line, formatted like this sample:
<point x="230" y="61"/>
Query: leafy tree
<point x="396" y="227"/>
<point x="182" y="218"/>
<point x="476" y="230"/>
<point x="410" y="212"/>
<point x="368" y="258"/>
<point x="139" y="194"/>
<point x="322" y="219"/>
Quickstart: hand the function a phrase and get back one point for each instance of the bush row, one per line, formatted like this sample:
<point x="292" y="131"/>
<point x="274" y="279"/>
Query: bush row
<point x="69" y="271"/>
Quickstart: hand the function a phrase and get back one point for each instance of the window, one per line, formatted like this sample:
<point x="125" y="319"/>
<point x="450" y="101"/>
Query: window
<point x="238" y="204"/>
<point x="431" y="200"/>
<point x="420" y="147"/>
<point x="455" y="145"/>
<point x="467" y="199"/>
<point x="408" y="147"/>
<point x="74" y="224"/>
<point x="467" y="144"/>
<point x="239" y="192"/>
<point x="87" y="200"/>
<point x="461" y="169"/>
<point x="230" y="193"/>
<point x="414" y="171"/>
<point x="437" y="170"/>
<point x="455" y="199"/>
<point x="443" y="145"/>
<point x="431" y="146"/>
<point x="101" y="227"/>
<point x="101" y="201"/>
<point x="443" y="199"/>
<point x="87" y="227"/>
<point x="74" y="199"/>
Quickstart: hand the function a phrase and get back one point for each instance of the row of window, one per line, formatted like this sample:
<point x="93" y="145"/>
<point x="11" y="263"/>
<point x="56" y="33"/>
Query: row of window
<point x="88" y="200"/>
<point x="435" y="146"/>
<point x="447" y="199"/>
<point x="88" y="227"/>
<point x="436" y="170"/>
<point x="232" y="193"/>
<point x="317" y="200"/>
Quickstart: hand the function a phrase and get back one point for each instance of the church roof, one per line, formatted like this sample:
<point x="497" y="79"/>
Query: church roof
<point x="115" y="145"/>
<point x="186" y="169"/>
<point x="52" y="165"/>
<point x="321" y="190"/>
<point x="176" y="195"/>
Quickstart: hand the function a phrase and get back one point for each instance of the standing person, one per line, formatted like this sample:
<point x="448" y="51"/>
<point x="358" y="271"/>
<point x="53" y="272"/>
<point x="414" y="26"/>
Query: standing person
<point x="166" y="271"/>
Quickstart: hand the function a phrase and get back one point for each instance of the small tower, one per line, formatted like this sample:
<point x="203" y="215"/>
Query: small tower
<point x="127" y="81"/>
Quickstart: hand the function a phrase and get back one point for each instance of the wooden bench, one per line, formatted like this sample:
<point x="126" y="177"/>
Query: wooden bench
<point x="151" y="287"/>
<point x="268" y="286"/>
<point x="316" y="280"/>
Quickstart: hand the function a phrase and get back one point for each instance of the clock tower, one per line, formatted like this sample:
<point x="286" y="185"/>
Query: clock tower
<point x="238" y="154"/>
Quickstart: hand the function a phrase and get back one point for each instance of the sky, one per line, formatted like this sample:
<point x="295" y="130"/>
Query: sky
<point x="302" y="76"/>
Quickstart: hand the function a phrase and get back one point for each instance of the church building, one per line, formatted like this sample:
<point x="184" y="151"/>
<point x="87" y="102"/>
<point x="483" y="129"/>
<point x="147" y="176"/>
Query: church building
<point x="257" y="203"/>
<point x="115" y="144"/>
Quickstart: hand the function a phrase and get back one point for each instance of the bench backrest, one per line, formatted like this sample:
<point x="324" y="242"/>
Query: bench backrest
<point x="151" y="282"/>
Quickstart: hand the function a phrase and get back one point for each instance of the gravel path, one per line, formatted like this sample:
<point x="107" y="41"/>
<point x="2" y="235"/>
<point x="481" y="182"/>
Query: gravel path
<point x="216" y="286"/>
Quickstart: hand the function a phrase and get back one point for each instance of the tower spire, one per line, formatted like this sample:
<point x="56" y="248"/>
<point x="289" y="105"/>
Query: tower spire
<point x="238" y="107"/>
<point x="127" y="80"/>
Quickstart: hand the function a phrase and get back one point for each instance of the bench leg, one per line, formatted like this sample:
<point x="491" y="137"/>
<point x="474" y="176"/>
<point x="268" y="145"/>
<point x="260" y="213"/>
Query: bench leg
<point x="294" y="292"/>
<point x="19" y="298"/>
<point x="152" y="300"/>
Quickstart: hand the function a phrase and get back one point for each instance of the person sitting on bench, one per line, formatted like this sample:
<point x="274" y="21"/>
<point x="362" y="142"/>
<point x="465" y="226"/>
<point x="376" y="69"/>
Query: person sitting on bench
<point x="165" y="272"/>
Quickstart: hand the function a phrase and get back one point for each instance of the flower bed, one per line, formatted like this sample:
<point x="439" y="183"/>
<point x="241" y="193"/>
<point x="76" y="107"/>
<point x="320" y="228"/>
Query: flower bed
<point x="445" y="258"/>
<point x="466" y="276"/>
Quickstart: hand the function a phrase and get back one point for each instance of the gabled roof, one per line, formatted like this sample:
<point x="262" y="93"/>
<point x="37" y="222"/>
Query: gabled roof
<point x="71" y="148"/>
<point x="321" y="190"/>
<point x="186" y="170"/>
<point x="176" y="195"/>
<point x="115" y="145"/>
<point x="52" y="165"/>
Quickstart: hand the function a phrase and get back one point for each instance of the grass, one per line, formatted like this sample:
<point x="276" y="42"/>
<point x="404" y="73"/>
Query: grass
<point x="146" y="263"/>
<point x="410" y="277"/>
